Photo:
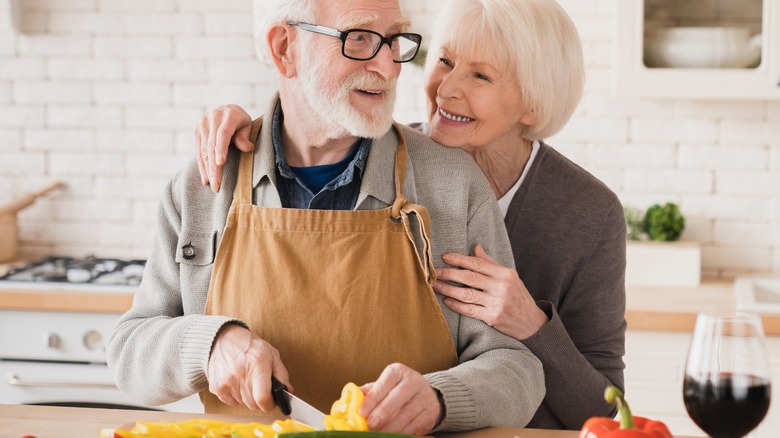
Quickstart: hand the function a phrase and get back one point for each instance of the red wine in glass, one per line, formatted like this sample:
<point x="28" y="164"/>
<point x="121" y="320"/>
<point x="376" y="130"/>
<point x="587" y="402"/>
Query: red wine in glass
<point x="726" y="405"/>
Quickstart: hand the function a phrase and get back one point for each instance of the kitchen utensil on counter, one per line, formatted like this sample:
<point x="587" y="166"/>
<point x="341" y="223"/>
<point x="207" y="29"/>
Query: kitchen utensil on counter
<point x="8" y="225"/>
<point x="296" y="408"/>
<point x="702" y="47"/>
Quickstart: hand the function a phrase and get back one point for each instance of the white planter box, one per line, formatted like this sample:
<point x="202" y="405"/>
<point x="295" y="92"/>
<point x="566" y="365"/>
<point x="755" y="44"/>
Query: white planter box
<point x="663" y="263"/>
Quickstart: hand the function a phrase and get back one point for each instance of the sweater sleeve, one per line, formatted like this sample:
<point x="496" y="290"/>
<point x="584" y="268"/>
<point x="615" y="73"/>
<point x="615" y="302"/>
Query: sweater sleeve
<point x="498" y="381"/>
<point x="159" y="351"/>
<point x="587" y="331"/>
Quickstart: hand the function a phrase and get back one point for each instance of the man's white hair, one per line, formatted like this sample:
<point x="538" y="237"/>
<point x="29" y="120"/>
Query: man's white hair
<point x="268" y="12"/>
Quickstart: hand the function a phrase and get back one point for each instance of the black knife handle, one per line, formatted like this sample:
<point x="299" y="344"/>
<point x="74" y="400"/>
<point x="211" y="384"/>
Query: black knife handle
<point x="277" y="391"/>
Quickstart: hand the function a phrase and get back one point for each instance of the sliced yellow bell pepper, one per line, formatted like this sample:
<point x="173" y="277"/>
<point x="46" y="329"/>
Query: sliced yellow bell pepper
<point x="344" y="412"/>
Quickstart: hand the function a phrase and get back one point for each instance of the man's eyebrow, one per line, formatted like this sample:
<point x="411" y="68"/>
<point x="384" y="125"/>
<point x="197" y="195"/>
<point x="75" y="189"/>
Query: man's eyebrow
<point x="401" y="23"/>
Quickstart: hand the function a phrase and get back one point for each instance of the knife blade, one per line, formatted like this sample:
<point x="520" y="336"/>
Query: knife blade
<point x="295" y="407"/>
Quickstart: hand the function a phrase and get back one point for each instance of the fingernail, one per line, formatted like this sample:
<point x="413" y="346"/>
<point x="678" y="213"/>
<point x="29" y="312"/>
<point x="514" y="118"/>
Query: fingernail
<point x="220" y="159"/>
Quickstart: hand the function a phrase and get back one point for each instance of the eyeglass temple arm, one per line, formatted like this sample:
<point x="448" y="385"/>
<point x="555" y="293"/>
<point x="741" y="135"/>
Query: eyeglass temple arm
<point x="316" y="28"/>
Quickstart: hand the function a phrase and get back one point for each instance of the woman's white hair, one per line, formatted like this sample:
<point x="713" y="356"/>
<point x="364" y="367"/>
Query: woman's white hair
<point x="533" y="39"/>
<point x="268" y="12"/>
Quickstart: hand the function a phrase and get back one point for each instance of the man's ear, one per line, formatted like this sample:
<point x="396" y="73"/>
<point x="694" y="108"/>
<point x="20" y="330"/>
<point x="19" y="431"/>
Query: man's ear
<point x="279" y="39"/>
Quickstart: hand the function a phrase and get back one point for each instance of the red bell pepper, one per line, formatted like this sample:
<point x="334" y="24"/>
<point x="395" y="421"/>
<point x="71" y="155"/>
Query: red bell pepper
<point x="628" y="426"/>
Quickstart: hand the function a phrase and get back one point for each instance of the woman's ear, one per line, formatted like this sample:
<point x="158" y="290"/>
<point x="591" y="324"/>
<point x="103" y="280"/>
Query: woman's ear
<point x="529" y="118"/>
<point x="279" y="39"/>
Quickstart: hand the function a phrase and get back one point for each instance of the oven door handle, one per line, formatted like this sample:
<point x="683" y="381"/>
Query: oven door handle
<point x="14" y="380"/>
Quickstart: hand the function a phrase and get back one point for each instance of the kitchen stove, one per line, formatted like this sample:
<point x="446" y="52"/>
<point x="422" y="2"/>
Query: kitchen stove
<point x="54" y="356"/>
<point x="82" y="274"/>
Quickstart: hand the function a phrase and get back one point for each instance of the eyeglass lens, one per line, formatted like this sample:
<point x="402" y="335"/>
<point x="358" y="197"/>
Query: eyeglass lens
<point x="364" y="45"/>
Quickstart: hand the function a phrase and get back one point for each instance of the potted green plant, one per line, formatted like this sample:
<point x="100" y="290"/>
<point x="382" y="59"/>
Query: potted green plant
<point x="655" y="255"/>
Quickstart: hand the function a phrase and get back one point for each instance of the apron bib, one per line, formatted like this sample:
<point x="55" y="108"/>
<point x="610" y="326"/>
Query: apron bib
<point x="341" y="294"/>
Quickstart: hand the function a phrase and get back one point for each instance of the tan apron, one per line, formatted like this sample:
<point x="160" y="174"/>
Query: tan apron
<point x="340" y="294"/>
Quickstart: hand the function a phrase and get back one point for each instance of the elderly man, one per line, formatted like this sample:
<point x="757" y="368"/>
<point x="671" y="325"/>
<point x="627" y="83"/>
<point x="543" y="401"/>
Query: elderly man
<point x="315" y="261"/>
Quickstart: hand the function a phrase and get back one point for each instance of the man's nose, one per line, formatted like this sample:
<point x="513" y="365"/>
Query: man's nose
<point x="383" y="63"/>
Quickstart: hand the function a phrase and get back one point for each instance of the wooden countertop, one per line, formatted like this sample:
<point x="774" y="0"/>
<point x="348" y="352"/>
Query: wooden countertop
<point x="58" y="422"/>
<point x="652" y="308"/>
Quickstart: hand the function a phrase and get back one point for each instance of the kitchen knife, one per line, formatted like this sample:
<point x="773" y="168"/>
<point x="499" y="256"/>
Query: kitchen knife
<point x="296" y="408"/>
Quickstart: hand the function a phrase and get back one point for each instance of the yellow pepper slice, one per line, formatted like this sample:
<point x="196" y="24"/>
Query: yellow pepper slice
<point x="344" y="412"/>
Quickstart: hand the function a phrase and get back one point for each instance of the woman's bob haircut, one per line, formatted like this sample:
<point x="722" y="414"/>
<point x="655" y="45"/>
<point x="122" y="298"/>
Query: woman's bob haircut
<point x="533" y="40"/>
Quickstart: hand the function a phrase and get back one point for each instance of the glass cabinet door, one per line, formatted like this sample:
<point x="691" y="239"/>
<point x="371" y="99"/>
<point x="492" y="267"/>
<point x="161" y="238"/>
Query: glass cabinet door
<point x="717" y="49"/>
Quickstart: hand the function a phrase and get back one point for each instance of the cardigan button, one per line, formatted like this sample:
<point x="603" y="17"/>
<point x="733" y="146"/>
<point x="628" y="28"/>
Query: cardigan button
<point x="188" y="251"/>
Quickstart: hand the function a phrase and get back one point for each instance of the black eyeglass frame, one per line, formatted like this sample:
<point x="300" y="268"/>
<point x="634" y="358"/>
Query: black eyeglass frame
<point x="335" y="33"/>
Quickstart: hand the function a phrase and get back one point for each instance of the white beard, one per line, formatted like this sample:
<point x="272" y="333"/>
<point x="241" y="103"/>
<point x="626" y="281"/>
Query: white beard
<point x="329" y="109"/>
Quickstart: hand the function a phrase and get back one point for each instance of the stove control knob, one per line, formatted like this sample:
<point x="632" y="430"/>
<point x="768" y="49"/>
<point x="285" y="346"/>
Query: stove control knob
<point x="93" y="340"/>
<point x="52" y="341"/>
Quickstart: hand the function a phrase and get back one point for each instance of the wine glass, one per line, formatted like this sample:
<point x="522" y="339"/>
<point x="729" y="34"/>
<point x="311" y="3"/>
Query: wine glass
<point x="727" y="377"/>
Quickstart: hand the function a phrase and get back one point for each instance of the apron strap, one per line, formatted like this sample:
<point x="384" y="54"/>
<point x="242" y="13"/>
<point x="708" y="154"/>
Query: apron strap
<point x="423" y="221"/>
<point x="243" y="191"/>
<point x="400" y="173"/>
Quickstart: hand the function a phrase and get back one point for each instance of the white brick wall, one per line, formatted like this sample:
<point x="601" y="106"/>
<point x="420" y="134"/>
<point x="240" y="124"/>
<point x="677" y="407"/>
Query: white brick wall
<point x="104" y="94"/>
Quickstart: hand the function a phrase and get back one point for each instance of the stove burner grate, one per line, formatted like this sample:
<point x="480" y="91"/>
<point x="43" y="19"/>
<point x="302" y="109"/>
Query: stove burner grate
<point x="106" y="271"/>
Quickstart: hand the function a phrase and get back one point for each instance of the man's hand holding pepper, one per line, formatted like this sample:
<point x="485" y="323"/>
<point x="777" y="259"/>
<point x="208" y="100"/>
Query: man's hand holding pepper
<point x="401" y="401"/>
<point x="240" y="368"/>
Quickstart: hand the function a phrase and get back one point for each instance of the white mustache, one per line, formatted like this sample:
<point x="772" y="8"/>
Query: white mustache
<point x="367" y="81"/>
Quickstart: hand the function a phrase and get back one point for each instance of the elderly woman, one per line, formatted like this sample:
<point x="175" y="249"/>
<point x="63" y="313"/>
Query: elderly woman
<point x="501" y="76"/>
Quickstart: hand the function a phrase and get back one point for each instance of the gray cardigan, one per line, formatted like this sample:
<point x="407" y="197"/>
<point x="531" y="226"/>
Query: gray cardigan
<point x="568" y="237"/>
<point x="159" y="350"/>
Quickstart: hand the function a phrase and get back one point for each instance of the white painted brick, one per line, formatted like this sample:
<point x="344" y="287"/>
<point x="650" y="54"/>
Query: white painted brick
<point x="573" y="150"/>
<point x="59" y="5"/>
<point x="697" y="229"/>
<point x="265" y="93"/>
<point x="102" y="210"/>
<point x="742" y="132"/>
<point x="54" y="45"/>
<point x="83" y="117"/>
<point x="81" y="23"/>
<point x="74" y="164"/>
<point x="723" y="157"/>
<point x="21" y="116"/>
<point x="167" y="70"/>
<point x="22" y="164"/>
<point x="212" y="6"/>
<point x="30" y="68"/>
<point x="158" y="166"/>
<point x="60" y="232"/>
<point x="724" y="257"/>
<point x="251" y="72"/>
<point x="776" y="262"/>
<point x="722" y="110"/>
<point x="10" y="140"/>
<point x="59" y="140"/>
<point x="598" y="81"/>
<point x="138" y="5"/>
<point x="608" y="129"/>
<point x="611" y="176"/>
<point x="214" y="47"/>
<point x="86" y="69"/>
<point x="747" y="183"/>
<point x="132" y="93"/>
<point x="32" y="23"/>
<point x="125" y="235"/>
<point x="578" y="8"/>
<point x="773" y="110"/>
<point x="7" y="45"/>
<point x="753" y="208"/>
<point x="746" y="233"/>
<point x="598" y="54"/>
<point x="213" y="95"/>
<point x="174" y="118"/>
<point x="133" y="47"/>
<point x="145" y="189"/>
<point x="690" y="130"/>
<point x="185" y="142"/>
<point x="165" y="24"/>
<point x="5" y="92"/>
<point x="774" y="158"/>
<point x="633" y="155"/>
<point x="669" y="181"/>
<point x="134" y="142"/>
<point x="236" y="24"/>
<point x="145" y="213"/>
<point x="52" y="92"/>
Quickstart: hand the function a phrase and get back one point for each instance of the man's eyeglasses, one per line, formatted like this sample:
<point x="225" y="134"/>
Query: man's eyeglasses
<point x="362" y="45"/>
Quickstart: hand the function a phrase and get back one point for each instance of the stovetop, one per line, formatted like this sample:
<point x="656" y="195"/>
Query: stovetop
<point x="76" y="273"/>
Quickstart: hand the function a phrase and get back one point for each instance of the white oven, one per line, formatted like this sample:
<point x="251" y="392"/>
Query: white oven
<point x="58" y="357"/>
